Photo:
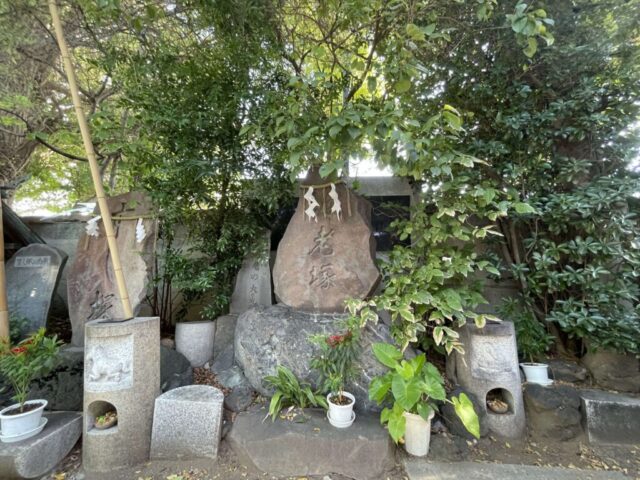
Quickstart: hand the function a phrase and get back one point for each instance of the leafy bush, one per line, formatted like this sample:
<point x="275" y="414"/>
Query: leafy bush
<point x="30" y="359"/>
<point x="414" y="386"/>
<point x="533" y="339"/>
<point x="290" y="392"/>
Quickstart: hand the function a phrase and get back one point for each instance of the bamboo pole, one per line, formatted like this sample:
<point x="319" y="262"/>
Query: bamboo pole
<point x="4" y="309"/>
<point x="93" y="162"/>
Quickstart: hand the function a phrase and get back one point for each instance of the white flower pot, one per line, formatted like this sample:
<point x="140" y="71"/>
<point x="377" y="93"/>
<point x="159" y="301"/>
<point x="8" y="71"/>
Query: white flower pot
<point x="15" y="425"/>
<point x="341" y="416"/>
<point x="536" y="373"/>
<point x="195" y="341"/>
<point x="417" y="435"/>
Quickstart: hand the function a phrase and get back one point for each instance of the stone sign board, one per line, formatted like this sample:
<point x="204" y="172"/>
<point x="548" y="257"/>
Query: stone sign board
<point x="253" y="283"/>
<point x="32" y="275"/>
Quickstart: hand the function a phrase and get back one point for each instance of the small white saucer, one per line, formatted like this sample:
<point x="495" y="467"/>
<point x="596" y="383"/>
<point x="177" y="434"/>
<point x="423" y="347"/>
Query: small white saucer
<point x="25" y="435"/>
<point x="544" y="384"/>
<point x="342" y="425"/>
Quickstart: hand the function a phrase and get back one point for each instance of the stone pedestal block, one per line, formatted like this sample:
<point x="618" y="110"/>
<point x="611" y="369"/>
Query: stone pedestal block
<point x="37" y="455"/>
<point x="122" y="373"/>
<point x="290" y="449"/>
<point x="490" y="368"/>
<point x="611" y="418"/>
<point x="187" y="423"/>
<point x="195" y="341"/>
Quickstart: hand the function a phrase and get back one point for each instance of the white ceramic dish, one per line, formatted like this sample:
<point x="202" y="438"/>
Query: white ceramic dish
<point x="25" y="435"/>
<point x="342" y="425"/>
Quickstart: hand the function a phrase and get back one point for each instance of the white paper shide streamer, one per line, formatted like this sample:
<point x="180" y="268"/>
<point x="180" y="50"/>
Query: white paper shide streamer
<point x="141" y="233"/>
<point x="92" y="227"/>
<point x="313" y="204"/>
<point x="337" y="206"/>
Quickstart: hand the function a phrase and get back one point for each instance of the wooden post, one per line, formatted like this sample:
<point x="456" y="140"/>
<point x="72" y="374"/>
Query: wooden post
<point x="93" y="162"/>
<point x="4" y="309"/>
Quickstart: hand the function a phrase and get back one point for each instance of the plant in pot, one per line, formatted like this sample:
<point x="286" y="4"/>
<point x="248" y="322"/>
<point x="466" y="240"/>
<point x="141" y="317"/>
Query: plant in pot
<point x="410" y="390"/>
<point x="335" y="364"/>
<point x="20" y="365"/>
<point x="292" y="394"/>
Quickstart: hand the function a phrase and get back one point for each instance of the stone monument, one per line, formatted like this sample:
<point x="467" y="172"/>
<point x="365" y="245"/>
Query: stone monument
<point x="326" y="256"/>
<point x="121" y="374"/>
<point x="32" y="275"/>
<point x="253" y="282"/>
<point x="91" y="285"/>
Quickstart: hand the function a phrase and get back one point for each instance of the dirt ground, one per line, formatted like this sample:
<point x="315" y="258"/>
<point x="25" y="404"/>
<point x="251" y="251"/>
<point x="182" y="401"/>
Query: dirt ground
<point x="444" y="447"/>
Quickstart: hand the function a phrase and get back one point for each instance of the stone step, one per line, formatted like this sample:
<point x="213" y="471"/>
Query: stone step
<point x="421" y="469"/>
<point x="37" y="455"/>
<point x="611" y="418"/>
<point x="286" y="448"/>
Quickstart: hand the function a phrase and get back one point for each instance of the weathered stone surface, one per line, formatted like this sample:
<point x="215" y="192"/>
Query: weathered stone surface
<point x="452" y="420"/>
<point x="553" y="411"/>
<point x="282" y="448"/>
<point x="175" y="369"/>
<point x="321" y="264"/>
<point x="225" y="332"/>
<point x="614" y="371"/>
<point x="566" y="371"/>
<point x="122" y="372"/>
<point x="91" y="285"/>
<point x="611" y="418"/>
<point x="32" y="275"/>
<point x="187" y="423"/>
<point x="63" y="388"/>
<point x="270" y="336"/>
<point x="418" y="469"/>
<point x="242" y="393"/>
<point x="195" y="341"/>
<point x="224" y="360"/>
<point x="253" y="282"/>
<point x="37" y="455"/>
<point x="490" y="364"/>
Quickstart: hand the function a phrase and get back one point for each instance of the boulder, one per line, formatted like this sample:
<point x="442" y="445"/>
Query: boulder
<point x="278" y="335"/>
<point x="175" y="369"/>
<point x="64" y="386"/>
<point x="614" y="371"/>
<point x="452" y="421"/>
<point x="553" y="411"/>
<point x="291" y="449"/>
<point x="566" y="371"/>
<point x="322" y="263"/>
<point x="242" y="393"/>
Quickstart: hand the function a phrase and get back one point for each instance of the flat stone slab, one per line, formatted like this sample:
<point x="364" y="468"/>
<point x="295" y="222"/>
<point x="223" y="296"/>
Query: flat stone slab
<point x="35" y="456"/>
<point x="187" y="423"/>
<point x="611" y="418"/>
<point x="286" y="448"/>
<point x="420" y="469"/>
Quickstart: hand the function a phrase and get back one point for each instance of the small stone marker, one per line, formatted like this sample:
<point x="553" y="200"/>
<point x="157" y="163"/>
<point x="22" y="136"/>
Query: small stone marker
<point x="187" y="423"/>
<point x="253" y="283"/>
<point x="91" y="285"/>
<point x="32" y="275"/>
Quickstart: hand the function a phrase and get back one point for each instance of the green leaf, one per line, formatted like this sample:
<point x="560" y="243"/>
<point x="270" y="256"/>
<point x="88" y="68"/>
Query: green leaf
<point x="397" y="423"/>
<point x="378" y="389"/>
<point x="464" y="409"/>
<point x="531" y="48"/>
<point x="403" y="85"/>
<point x="388" y="355"/>
<point x="424" y="410"/>
<point x="372" y="84"/>
<point x="521" y="207"/>
<point x="405" y="393"/>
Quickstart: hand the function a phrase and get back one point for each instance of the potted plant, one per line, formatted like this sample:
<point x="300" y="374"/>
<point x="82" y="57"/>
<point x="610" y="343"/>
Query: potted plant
<point x="335" y="364"/>
<point x="536" y="373"/>
<point x="20" y="365"/>
<point x="411" y="388"/>
<point x="290" y="392"/>
<point x="195" y="341"/>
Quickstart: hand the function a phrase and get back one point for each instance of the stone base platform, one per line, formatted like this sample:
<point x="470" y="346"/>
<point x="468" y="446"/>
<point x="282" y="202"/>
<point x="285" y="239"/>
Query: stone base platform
<point x="420" y="469"/>
<point x="611" y="418"/>
<point x="284" y="448"/>
<point x="37" y="455"/>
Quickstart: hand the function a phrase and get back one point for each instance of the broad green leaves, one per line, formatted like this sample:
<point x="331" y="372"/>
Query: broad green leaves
<point x="464" y="409"/>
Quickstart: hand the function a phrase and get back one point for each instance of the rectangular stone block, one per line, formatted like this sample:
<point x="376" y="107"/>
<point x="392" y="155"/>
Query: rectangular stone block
<point x="187" y="423"/>
<point x="611" y="418"/>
